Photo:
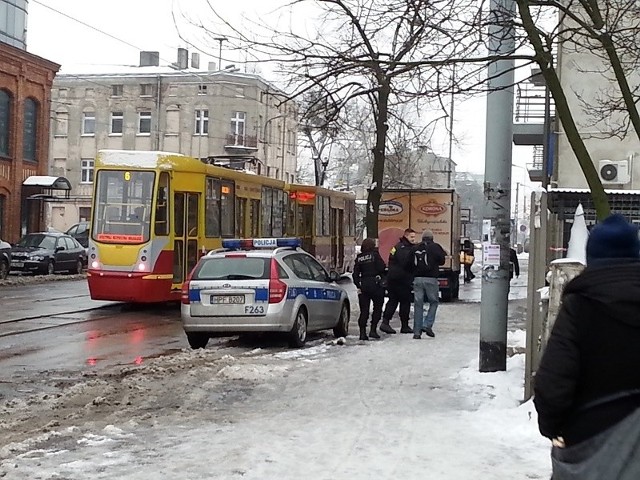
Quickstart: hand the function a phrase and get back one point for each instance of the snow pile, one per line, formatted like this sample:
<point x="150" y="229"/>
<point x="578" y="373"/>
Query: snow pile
<point x="252" y="372"/>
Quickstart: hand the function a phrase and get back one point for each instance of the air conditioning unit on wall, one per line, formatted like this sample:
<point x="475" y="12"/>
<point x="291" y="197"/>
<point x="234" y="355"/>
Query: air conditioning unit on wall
<point x="614" y="172"/>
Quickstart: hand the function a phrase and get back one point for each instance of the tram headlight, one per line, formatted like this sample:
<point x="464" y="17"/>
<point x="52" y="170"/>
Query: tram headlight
<point x="95" y="264"/>
<point x="142" y="267"/>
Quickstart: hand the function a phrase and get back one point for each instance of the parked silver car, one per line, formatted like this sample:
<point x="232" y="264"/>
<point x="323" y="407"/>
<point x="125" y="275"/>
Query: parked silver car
<point x="262" y="285"/>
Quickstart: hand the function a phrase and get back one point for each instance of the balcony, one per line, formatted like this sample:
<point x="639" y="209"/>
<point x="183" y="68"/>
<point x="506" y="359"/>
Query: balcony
<point x="236" y="142"/>
<point x="536" y="168"/>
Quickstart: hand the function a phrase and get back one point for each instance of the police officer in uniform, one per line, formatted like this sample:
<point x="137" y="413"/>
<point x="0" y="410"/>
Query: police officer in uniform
<point x="368" y="276"/>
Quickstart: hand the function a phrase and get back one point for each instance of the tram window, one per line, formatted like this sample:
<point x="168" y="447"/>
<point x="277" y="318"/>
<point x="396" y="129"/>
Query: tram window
<point x="162" y="207"/>
<point x="241" y="215"/>
<point x="319" y="215"/>
<point x="267" y="203"/>
<point x="277" y="212"/>
<point x="120" y="195"/>
<point x="254" y="218"/>
<point x="326" y="231"/>
<point x="178" y="209"/>
<point x="212" y="208"/>
<point x="291" y="218"/>
<point x="227" y="204"/>
<point x="192" y="215"/>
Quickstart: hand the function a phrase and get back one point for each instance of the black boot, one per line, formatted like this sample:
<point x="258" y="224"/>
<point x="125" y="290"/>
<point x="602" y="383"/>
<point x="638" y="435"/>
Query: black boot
<point x="373" y="333"/>
<point x="405" y="327"/>
<point x="363" y="333"/>
<point x="386" y="328"/>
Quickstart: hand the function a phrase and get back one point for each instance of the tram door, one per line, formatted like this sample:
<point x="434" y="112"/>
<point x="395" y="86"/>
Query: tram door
<point x="185" y="234"/>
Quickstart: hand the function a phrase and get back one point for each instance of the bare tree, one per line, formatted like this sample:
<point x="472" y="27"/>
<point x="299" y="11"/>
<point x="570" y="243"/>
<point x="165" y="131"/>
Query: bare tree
<point x="387" y="52"/>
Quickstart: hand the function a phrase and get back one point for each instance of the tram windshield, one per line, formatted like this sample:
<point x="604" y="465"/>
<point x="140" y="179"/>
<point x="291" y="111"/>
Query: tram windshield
<point x="122" y="206"/>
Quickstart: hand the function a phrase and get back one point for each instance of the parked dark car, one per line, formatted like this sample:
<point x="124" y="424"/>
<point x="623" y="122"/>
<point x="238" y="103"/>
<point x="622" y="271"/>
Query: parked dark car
<point x="48" y="253"/>
<point x="80" y="231"/>
<point x="5" y="259"/>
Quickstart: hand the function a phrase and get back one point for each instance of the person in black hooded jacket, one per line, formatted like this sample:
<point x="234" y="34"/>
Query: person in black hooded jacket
<point x="368" y="275"/>
<point x="400" y="281"/>
<point x="588" y="378"/>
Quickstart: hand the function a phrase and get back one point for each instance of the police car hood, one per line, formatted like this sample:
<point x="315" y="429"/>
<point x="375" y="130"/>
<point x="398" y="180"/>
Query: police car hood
<point x="616" y="285"/>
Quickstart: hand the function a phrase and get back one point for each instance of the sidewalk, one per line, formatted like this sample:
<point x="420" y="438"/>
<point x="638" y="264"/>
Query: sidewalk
<point x="395" y="408"/>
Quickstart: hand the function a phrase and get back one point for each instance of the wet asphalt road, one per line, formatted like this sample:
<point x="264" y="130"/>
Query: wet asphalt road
<point x="52" y="332"/>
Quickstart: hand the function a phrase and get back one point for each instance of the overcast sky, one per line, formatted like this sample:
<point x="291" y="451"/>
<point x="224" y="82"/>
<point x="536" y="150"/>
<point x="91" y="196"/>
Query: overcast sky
<point x="148" y="25"/>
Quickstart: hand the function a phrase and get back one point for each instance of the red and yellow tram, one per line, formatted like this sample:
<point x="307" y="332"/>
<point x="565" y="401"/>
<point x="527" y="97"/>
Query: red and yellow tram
<point x="155" y="213"/>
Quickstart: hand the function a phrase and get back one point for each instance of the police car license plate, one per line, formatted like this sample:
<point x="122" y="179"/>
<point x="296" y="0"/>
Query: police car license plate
<point x="227" y="299"/>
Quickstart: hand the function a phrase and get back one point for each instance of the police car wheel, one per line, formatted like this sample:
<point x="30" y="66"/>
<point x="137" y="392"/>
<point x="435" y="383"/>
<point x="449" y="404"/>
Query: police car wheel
<point x="342" y="327"/>
<point x="197" y="340"/>
<point x="298" y="333"/>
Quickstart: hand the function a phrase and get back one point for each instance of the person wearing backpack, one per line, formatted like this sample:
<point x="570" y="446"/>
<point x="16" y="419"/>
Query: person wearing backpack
<point x="427" y="258"/>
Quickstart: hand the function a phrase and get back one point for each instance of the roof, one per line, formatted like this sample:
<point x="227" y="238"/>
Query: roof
<point x="46" y="181"/>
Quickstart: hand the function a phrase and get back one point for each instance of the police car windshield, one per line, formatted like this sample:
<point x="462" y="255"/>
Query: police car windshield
<point x="234" y="268"/>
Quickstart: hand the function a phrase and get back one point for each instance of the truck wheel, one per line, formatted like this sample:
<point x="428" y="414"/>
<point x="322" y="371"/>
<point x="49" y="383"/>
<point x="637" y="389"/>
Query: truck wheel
<point x="456" y="288"/>
<point x="447" y="295"/>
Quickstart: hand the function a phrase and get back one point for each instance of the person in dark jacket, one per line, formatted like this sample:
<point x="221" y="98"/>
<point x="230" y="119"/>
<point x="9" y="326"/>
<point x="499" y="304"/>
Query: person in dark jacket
<point x="400" y="280"/>
<point x="588" y="376"/>
<point x="468" y="254"/>
<point x="514" y="264"/>
<point x="368" y="275"/>
<point x="427" y="257"/>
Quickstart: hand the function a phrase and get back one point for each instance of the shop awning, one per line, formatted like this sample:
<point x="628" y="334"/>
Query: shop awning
<point x="46" y="181"/>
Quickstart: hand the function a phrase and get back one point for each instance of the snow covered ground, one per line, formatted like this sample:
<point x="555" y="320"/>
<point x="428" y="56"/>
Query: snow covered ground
<point x="396" y="408"/>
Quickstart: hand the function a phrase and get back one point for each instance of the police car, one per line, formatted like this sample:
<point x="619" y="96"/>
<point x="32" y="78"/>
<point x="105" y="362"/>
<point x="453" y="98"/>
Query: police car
<point x="262" y="285"/>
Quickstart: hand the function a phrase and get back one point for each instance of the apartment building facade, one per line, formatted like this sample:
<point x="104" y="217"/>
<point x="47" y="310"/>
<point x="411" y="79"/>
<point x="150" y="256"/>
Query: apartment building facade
<point x="234" y="119"/>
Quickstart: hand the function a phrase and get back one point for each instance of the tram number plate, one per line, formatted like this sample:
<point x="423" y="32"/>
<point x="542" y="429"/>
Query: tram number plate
<point x="227" y="299"/>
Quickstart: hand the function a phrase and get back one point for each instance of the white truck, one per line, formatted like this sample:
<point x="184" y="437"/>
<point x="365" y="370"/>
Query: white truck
<point x="436" y="209"/>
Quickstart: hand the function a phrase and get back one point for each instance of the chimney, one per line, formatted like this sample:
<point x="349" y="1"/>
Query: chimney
<point x="195" y="60"/>
<point x="213" y="66"/>
<point x="149" y="59"/>
<point x="183" y="59"/>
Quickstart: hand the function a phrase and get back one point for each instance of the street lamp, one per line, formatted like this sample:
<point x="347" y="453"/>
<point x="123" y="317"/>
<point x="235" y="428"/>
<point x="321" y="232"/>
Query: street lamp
<point x="220" y="39"/>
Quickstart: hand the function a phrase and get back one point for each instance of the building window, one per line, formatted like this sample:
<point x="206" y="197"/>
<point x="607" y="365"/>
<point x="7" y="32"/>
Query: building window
<point x="173" y="121"/>
<point x="89" y="93"/>
<point x="146" y="90"/>
<point x="5" y="123"/>
<point x="89" y="123"/>
<point x="117" y="90"/>
<point x="239" y="91"/>
<point x="202" y="89"/>
<point x="30" y="130"/>
<point x="86" y="170"/>
<point x="116" y="123"/>
<point x="61" y="124"/>
<point x="237" y="127"/>
<point x="173" y="90"/>
<point x="202" y="122"/>
<point x="60" y="167"/>
<point x="84" y="213"/>
<point x="63" y="92"/>
<point x="144" y="123"/>
<point x="2" y="204"/>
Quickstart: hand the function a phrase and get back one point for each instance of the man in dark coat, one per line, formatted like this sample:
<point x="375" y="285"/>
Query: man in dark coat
<point x="588" y="377"/>
<point x="400" y="281"/>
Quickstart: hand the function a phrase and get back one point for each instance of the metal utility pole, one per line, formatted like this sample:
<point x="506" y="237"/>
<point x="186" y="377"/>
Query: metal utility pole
<point x="497" y="189"/>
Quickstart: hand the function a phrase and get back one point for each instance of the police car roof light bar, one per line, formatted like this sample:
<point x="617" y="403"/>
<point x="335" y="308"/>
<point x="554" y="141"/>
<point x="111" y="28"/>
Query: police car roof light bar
<point x="251" y="243"/>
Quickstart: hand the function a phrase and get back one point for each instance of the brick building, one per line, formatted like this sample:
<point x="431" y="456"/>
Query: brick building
<point x="25" y="99"/>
